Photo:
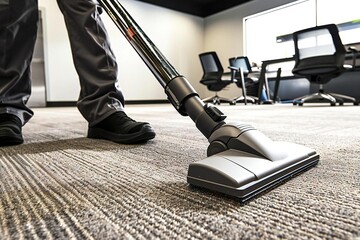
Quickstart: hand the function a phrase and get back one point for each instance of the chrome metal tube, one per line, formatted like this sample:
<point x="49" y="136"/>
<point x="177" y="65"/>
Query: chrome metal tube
<point x="150" y="54"/>
<point x="179" y="91"/>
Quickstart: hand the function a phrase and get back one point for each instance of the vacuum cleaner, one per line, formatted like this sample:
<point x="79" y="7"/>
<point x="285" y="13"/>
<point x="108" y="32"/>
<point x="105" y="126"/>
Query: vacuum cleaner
<point x="241" y="161"/>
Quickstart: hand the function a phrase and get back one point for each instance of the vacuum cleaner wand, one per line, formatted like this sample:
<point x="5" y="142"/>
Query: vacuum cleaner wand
<point x="180" y="93"/>
<point x="241" y="161"/>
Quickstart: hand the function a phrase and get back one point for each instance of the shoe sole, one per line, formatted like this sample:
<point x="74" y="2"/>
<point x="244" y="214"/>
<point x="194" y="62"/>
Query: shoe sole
<point x="9" y="137"/>
<point x="146" y="133"/>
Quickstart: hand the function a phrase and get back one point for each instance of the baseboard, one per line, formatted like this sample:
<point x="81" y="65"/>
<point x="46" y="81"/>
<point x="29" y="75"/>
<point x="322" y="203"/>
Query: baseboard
<point x="130" y="102"/>
<point x="61" y="104"/>
<point x="146" y="101"/>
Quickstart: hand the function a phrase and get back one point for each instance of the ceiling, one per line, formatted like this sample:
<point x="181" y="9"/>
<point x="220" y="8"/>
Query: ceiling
<point x="201" y="8"/>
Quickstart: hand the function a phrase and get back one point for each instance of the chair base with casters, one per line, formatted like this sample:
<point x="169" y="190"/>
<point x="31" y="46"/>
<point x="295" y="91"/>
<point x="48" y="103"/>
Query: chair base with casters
<point x="216" y="100"/>
<point x="321" y="96"/>
<point x="246" y="99"/>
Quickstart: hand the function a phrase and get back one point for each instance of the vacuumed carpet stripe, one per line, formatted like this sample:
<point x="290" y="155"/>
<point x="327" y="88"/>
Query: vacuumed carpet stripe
<point x="61" y="185"/>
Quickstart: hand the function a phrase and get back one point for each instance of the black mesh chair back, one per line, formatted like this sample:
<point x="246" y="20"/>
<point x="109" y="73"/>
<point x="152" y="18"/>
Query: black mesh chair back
<point x="241" y="62"/>
<point x="319" y="53"/>
<point x="319" y="57"/>
<point x="211" y="65"/>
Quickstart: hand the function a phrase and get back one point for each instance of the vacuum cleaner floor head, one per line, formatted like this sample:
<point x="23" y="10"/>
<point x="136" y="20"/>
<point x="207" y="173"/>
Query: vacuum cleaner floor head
<point x="245" y="175"/>
<point x="243" y="162"/>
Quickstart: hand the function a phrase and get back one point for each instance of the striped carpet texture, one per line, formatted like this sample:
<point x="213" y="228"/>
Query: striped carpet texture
<point x="61" y="185"/>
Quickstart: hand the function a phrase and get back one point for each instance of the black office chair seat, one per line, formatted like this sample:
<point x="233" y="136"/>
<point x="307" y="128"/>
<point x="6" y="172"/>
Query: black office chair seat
<point x="319" y="57"/>
<point x="214" y="86"/>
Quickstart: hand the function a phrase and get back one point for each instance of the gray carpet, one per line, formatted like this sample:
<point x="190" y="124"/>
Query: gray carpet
<point x="61" y="185"/>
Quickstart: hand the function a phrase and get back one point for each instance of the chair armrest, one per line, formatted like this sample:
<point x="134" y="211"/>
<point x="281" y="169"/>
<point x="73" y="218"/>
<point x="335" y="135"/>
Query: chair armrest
<point x="352" y="49"/>
<point x="354" y="52"/>
<point x="233" y="72"/>
<point x="234" y="69"/>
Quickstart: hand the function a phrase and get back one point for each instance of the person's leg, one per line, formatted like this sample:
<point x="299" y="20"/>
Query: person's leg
<point x="18" y="28"/>
<point x="93" y="59"/>
<point x="100" y="102"/>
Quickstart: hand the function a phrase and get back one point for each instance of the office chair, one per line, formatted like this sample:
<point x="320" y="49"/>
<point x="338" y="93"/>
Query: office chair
<point x="214" y="77"/>
<point x="319" y="57"/>
<point x="249" y="84"/>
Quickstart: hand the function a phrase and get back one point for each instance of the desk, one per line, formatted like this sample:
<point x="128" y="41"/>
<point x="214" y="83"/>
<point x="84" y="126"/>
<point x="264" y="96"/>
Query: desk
<point x="263" y="81"/>
<point x="347" y="83"/>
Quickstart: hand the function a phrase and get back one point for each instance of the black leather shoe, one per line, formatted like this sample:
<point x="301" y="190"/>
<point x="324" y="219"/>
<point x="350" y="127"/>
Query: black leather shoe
<point x="120" y="128"/>
<point x="10" y="130"/>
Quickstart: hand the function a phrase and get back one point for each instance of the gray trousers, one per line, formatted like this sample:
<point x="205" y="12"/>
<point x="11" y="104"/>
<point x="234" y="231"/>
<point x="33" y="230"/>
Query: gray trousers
<point x="93" y="58"/>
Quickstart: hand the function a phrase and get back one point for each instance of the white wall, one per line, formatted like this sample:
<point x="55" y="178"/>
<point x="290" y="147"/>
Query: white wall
<point x="61" y="80"/>
<point x="179" y="36"/>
